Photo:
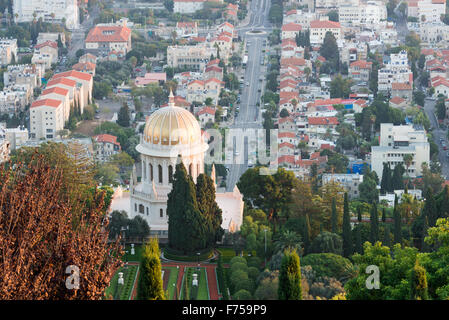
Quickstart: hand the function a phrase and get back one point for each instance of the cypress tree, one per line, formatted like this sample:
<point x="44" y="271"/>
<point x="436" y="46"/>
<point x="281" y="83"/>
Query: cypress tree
<point x="123" y="116"/>
<point x="384" y="217"/>
<point x="385" y="183"/>
<point x="359" y="213"/>
<point x="430" y="208"/>
<point x="290" y="277"/>
<point x="185" y="289"/>
<point x="424" y="246"/>
<point x="418" y="283"/>
<point x="387" y="239"/>
<point x="374" y="225"/>
<point x="358" y="240"/>
<point x="444" y="207"/>
<point x="150" y="285"/>
<point x="397" y="181"/>
<point x="205" y="193"/>
<point x="186" y="225"/>
<point x="397" y="222"/>
<point x="347" y="237"/>
<point x="306" y="233"/>
<point x="334" y="217"/>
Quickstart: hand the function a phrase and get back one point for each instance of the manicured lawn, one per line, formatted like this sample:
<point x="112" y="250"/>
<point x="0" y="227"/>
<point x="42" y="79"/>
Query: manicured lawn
<point x="228" y="253"/>
<point x="171" y="280"/>
<point x="203" y="293"/>
<point x="137" y="254"/>
<point x="122" y="292"/>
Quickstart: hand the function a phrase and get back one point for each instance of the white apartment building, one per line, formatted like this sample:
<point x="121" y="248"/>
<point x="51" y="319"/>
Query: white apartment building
<point x="364" y="13"/>
<point x="106" y="38"/>
<point x="16" y="137"/>
<point x="14" y="98"/>
<point x="52" y="11"/>
<point x="349" y="181"/>
<point x="187" y="6"/>
<point x="433" y="33"/>
<point x="190" y="57"/>
<point x="23" y="74"/>
<point x="427" y="10"/>
<point x="8" y="51"/>
<point x="319" y="28"/>
<point x="46" y="119"/>
<point x="397" y="70"/>
<point x="4" y="146"/>
<point x="105" y="146"/>
<point x="397" y="141"/>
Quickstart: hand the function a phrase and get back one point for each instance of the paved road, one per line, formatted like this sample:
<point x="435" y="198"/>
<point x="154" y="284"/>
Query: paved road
<point x="249" y="115"/>
<point x="429" y="108"/>
<point x="78" y="35"/>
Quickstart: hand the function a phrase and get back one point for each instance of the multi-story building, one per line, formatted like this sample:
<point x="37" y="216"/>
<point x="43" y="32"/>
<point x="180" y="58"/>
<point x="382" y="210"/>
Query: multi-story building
<point x="397" y="141"/>
<point x="426" y="10"/>
<point x="84" y="83"/>
<point x="47" y="48"/>
<point x="4" y="146"/>
<point x="360" y="70"/>
<point x="319" y="28"/>
<point x="106" y="38"/>
<point x="199" y="90"/>
<point x="186" y="29"/>
<point x="396" y="70"/>
<point x="364" y="13"/>
<point x="8" y="51"/>
<point x="52" y="11"/>
<point x="349" y="181"/>
<point x="46" y="118"/>
<point x="190" y="57"/>
<point x="105" y="146"/>
<point x="23" y="74"/>
<point x="290" y="30"/>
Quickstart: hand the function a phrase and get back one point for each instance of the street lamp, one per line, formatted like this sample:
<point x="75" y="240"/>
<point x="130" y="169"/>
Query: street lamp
<point x="198" y="254"/>
<point x="123" y="229"/>
<point x="265" y="231"/>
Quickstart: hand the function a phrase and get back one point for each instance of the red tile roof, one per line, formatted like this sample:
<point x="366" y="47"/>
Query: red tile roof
<point x="291" y="27"/>
<point x="207" y="110"/>
<point x="397" y="100"/>
<point x="74" y="74"/>
<point x="48" y="43"/>
<point x="324" y="24"/>
<point x="323" y="120"/>
<point x="362" y="64"/>
<point x="84" y="66"/>
<point x="109" y="34"/>
<point x="64" y="81"/>
<point x="401" y="86"/>
<point x="286" y="135"/>
<point x="286" y="144"/>
<point x="57" y="90"/>
<point x="47" y="103"/>
<point x="108" y="138"/>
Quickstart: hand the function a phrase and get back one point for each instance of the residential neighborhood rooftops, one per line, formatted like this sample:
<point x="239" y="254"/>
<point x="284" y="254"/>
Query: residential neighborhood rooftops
<point x="109" y="34"/>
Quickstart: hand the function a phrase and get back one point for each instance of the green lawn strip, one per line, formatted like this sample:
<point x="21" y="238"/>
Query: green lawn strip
<point x="226" y="254"/>
<point x="136" y="257"/>
<point x="110" y="291"/>
<point x="203" y="292"/>
<point x="172" y="279"/>
<point x="129" y="278"/>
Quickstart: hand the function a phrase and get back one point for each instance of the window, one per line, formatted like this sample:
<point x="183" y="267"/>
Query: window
<point x="135" y="207"/>
<point x="170" y="173"/>
<point x="141" y="208"/>
<point x="151" y="172"/>
<point x="147" y="210"/>
<point x="161" y="213"/>
<point x="160" y="173"/>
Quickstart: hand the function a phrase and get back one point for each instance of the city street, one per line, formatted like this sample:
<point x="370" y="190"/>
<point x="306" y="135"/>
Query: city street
<point x="249" y="113"/>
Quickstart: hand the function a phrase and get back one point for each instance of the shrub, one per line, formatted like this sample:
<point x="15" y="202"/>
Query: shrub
<point x="329" y="265"/>
<point x="242" y="295"/>
<point x="254" y="262"/>
<point x="253" y="273"/>
<point x="239" y="266"/>
<point x="237" y="259"/>
<point x="246" y="284"/>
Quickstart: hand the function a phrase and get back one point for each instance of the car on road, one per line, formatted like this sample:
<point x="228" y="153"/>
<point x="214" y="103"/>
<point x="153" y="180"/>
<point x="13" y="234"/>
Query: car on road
<point x="445" y="148"/>
<point x="97" y="117"/>
<point x="236" y="153"/>
<point x="250" y="164"/>
<point x="247" y="84"/>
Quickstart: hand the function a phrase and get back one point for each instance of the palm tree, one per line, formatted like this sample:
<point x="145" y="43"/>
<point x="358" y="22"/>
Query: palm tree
<point x="288" y="240"/>
<point x="408" y="159"/>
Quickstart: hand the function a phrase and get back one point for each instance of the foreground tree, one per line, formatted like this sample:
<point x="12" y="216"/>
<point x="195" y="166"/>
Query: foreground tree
<point x="187" y="227"/>
<point x="150" y="279"/>
<point x="290" y="277"/>
<point x="48" y="237"/>
<point x="347" y="237"/>
<point x="418" y="283"/>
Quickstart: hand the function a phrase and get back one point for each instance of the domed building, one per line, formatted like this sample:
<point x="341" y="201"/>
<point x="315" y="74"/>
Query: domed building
<point x="171" y="132"/>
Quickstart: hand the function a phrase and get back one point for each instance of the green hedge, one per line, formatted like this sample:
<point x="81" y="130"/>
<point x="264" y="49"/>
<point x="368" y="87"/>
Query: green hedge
<point x="222" y="287"/>
<point x="178" y="256"/>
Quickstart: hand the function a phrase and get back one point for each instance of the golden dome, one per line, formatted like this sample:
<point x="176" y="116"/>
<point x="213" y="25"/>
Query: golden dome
<point x="171" y="126"/>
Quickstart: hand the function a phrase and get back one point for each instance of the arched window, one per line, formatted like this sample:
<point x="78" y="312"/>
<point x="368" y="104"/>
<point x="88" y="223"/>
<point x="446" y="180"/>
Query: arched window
<point x="190" y="169"/>
<point x="160" y="173"/>
<point x="141" y="208"/>
<point x="170" y="173"/>
<point x="151" y="172"/>
<point x="144" y="171"/>
<point x="161" y="213"/>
